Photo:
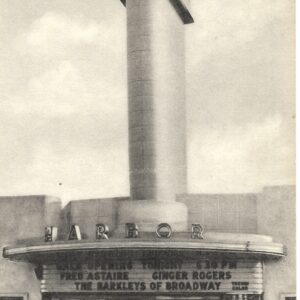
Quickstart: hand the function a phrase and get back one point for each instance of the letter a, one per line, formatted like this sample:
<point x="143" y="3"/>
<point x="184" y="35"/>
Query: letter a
<point x="74" y="233"/>
<point x="132" y="230"/>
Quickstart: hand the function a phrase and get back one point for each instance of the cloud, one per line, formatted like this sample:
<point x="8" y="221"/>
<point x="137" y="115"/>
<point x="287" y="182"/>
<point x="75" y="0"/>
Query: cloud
<point x="71" y="57"/>
<point x="62" y="91"/>
<point x="68" y="113"/>
<point x="91" y="174"/>
<point x="58" y="129"/>
<point x="56" y="90"/>
<point x="239" y="66"/>
<point x="51" y="33"/>
<point x="241" y="158"/>
<point x="222" y="28"/>
<point x="56" y="34"/>
<point x="64" y="117"/>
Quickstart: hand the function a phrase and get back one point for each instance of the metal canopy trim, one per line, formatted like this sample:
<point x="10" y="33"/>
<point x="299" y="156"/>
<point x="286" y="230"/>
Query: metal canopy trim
<point x="269" y="249"/>
<point x="180" y="8"/>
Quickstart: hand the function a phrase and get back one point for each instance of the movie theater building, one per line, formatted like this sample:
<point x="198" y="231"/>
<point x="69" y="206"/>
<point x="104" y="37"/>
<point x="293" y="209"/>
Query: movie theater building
<point x="240" y="256"/>
<point x="160" y="242"/>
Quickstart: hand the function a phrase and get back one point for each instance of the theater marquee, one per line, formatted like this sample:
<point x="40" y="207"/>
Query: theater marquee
<point x="155" y="276"/>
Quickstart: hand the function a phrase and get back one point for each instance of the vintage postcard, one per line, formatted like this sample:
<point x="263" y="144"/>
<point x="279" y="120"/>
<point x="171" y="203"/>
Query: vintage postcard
<point x="147" y="149"/>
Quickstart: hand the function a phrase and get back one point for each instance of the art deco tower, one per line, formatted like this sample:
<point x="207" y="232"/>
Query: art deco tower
<point x="156" y="109"/>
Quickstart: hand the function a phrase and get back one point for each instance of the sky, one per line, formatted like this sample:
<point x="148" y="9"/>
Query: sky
<point x="63" y="97"/>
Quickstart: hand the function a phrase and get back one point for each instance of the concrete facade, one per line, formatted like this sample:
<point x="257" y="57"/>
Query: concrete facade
<point x="222" y="212"/>
<point x="271" y="212"/>
<point x="276" y="216"/>
<point x="22" y="219"/>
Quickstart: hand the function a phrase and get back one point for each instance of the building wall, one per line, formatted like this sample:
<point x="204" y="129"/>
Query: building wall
<point x="88" y="213"/>
<point x="276" y="216"/>
<point x="271" y="212"/>
<point x="23" y="219"/>
<point x="222" y="212"/>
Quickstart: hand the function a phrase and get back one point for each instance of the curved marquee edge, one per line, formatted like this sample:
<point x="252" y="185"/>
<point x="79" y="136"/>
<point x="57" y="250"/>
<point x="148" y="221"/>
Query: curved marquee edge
<point x="268" y="249"/>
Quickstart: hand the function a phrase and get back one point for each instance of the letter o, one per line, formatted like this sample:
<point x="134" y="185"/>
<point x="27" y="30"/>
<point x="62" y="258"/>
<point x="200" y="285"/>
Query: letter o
<point x="164" y="230"/>
<point x="152" y="285"/>
<point x="202" y="275"/>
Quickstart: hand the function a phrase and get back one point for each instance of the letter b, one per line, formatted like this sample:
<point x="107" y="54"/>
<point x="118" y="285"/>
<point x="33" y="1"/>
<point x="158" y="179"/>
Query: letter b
<point x="132" y="230"/>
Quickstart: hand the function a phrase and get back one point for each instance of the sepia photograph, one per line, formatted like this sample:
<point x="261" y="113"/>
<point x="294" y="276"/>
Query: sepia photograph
<point x="147" y="150"/>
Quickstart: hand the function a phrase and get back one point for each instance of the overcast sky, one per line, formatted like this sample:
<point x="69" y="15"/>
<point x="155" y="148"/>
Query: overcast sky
<point x="63" y="91"/>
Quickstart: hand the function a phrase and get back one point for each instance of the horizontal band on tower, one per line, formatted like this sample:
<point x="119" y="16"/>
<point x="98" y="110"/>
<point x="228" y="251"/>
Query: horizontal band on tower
<point x="180" y="8"/>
